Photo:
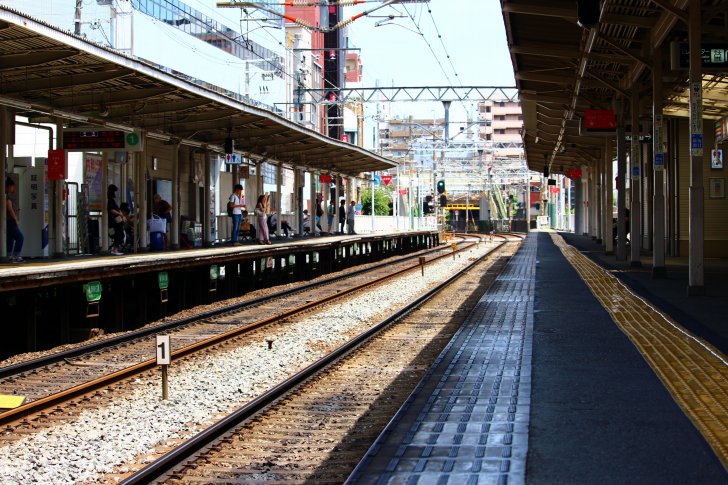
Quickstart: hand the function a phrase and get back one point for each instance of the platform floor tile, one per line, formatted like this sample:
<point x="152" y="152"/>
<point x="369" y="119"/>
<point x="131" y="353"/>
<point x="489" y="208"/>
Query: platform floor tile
<point x="467" y="420"/>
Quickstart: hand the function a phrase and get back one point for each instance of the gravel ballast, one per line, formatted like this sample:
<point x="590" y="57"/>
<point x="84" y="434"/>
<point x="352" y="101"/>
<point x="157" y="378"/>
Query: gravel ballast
<point x="102" y="440"/>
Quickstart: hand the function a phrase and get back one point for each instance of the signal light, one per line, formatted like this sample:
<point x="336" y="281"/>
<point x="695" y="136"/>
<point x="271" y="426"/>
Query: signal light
<point x="440" y="186"/>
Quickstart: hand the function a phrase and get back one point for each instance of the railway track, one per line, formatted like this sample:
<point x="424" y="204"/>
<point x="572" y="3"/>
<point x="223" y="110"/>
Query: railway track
<point x="58" y="378"/>
<point x="316" y="425"/>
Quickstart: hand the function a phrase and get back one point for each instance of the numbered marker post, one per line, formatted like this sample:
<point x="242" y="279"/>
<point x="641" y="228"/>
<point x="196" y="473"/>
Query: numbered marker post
<point x="164" y="358"/>
<point x="454" y="247"/>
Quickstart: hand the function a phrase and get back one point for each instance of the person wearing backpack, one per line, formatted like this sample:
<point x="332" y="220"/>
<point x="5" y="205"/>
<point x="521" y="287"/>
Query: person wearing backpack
<point x="235" y="210"/>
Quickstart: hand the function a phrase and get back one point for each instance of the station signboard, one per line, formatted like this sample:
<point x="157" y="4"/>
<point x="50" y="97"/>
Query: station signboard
<point x="714" y="56"/>
<point x="95" y="139"/>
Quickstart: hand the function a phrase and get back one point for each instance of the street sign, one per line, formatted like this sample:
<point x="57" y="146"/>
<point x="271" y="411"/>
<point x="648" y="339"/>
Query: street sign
<point x="377" y="180"/>
<point x="386" y="179"/>
<point x="659" y="161"/>
<point x="164" y="352"/>
<point x="214" y="272"/>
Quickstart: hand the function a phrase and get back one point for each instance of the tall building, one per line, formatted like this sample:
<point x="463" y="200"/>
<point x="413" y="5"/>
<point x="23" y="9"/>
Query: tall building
<point x="354" y="110"/>
<point x="411" y="140"/>
<point x="501" y="124"/>
<point x="305" y="61"/>
<point x="228" y="51"/>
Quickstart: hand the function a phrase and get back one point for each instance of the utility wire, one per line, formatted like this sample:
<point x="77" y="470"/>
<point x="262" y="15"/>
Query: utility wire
<point x="427" y="42"/>
<point x="439" y="36"/>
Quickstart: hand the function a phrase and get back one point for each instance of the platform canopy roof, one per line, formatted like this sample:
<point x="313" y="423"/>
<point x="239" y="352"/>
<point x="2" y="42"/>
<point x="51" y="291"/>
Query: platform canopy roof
<point x="561" y="69"/>
<point x="46" y="73"/>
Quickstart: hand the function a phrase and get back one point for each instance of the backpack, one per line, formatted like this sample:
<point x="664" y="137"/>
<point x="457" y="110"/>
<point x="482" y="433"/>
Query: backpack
<point x="230" y="208"/>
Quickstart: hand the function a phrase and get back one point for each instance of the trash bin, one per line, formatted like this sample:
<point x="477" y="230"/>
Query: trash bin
<point x="156" y="240"/>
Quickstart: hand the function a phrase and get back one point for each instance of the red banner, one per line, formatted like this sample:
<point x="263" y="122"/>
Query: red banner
<point x="554" y="190"/>
<point x="600" y="119"/>
<point x="386" y="179"/>
<point x="57" y="169"/>
<point x="574" y="173"/>
<point x="325" y="179"/>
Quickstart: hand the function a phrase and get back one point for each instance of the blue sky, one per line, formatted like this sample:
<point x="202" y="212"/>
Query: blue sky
<point x="472" y="31"/>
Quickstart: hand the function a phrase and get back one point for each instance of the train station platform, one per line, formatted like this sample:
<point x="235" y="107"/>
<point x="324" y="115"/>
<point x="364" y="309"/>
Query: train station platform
<point x="561" y="374"/>
<point x="53" y="302"/>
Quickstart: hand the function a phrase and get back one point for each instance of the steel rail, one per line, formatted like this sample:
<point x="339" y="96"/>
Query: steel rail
<point x="175" y="457"/>
<point x="29" y="365"/>
<point x="48" y="401"/>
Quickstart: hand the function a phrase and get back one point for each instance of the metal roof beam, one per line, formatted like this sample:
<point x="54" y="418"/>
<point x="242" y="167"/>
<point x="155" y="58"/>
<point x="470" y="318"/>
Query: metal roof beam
<point x="63" y="81"/>
<point x="34" y="58"/>
<point x="565" y="10"/>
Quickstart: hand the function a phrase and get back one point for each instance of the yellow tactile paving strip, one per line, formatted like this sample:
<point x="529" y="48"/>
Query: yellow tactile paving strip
<point x="695" y="372"/>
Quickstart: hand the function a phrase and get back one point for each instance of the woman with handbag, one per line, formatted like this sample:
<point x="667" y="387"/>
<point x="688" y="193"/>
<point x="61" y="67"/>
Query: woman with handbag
<point x="116" y="221"/>
<point x="261" y="212"/>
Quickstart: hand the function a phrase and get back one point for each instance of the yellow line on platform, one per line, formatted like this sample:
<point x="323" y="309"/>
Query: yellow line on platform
<point x="692" y="370"/>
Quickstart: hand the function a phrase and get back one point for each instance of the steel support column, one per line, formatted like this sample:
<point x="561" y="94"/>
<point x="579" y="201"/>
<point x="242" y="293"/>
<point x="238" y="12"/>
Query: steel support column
<point x="174" y="230"/>
<point x="279" y="185"/>
<point x="658" y="166"/>
<point x="4" y="136"/>
<point x="141" y="185"/>
<point x="696" y="222"/>
<point x="579" y="208"/>
<point x="57" y="217"/>
<point x="104" y="225"/>
<point x="621" y="187"/>
<point x="206" y="209"/>
<point x="634" y="186"/>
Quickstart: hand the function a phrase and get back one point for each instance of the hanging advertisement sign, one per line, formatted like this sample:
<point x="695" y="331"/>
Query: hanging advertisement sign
<point x="92" y="163"/>
<point x="57" y="168"/>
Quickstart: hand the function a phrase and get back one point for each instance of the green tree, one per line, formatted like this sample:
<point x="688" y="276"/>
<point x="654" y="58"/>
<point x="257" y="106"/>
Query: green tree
<point x="382" y="201"/>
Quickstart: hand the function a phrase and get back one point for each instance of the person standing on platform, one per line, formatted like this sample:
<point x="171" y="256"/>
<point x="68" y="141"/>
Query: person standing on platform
<point x="235" y="204"/>
<point x="350" y="215"/>
<point x="162" y="208"/>
<point x="342" y="215"/>
<point x="15" y="237"/>
<point x="319" y="214"/>
<point x="330" y="219"/>
<point x="261" y="212"/>
<point x="116" y="221"/>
